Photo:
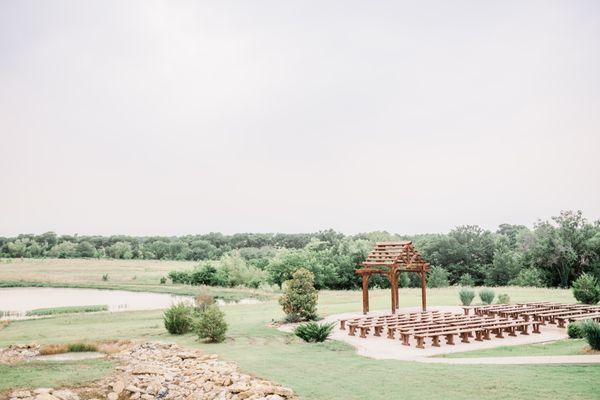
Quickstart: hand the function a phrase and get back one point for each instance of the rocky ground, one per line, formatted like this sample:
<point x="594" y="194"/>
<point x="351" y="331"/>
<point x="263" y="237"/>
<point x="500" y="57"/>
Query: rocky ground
<point x="161" y="371"/>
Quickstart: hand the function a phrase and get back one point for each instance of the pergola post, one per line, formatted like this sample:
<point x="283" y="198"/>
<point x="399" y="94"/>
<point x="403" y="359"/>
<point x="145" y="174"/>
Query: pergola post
<point x="423" y="291"/>
<point x="394" y="289"/>
<point x="365" y="292"/>
<point x="397" y="291"/>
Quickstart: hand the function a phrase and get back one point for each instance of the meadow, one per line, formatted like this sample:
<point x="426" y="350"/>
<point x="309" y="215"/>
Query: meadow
<point x="330" y="370"/>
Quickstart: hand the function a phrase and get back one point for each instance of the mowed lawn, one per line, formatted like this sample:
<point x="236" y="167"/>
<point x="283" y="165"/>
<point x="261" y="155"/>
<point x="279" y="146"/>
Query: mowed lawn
<point x="331" y="370"/>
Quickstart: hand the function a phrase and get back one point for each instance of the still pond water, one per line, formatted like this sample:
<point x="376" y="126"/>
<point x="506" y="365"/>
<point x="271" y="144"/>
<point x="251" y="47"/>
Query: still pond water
<point x="15" y="302"/>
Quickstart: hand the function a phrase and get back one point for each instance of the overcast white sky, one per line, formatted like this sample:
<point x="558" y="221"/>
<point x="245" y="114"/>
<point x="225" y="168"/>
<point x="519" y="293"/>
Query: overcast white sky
<point x="155" y="117"/>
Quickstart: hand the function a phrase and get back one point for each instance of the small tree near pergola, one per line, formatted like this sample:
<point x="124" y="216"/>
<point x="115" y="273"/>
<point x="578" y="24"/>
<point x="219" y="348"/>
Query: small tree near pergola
<point x="390" y="259"/>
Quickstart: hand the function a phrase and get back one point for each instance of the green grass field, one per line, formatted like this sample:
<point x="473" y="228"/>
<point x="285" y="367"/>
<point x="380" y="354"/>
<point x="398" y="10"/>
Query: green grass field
<point x="333" y="370"/>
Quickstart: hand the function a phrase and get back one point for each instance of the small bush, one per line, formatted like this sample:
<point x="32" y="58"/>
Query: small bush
<point x="299" y="299"/>
<point x="503" y="298"/>
<point x="438" y="277"/>
<point x="105" y="277"/>
<point x="591" y="332"/>
<point x="466" y="280"/>
<point x="203" y="301"/>
<point x="466" y="296"/>
<point x="178" y="319"/>
<point x="163" y="280"/>
<point x="211" y="324"/>
<point x="487" y="295"/>
<point x="314" y="332"/>
<point x="575" y="330"/>
<point x="586" y="289"/>
<point x="179" y="276"/>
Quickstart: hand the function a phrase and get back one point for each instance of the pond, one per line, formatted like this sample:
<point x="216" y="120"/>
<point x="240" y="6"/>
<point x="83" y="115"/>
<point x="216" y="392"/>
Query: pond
<point x="16" y="302"/>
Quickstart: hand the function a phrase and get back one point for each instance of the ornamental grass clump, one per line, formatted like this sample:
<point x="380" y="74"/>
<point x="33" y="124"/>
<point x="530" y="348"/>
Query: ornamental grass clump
<point x="591" y="332"/>
<point x="586" y="289"/>
<point x="178" y="319"/>
<point x="487" y="295"/>
<point x="299" y="299"/>
<point x="466" y="296"/>
<point x="211" y="324"/>
<point x="314" y="332"/>
<point x="503" y="299"/>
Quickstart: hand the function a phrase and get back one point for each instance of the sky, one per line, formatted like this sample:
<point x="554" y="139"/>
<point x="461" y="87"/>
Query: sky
<point x="185" y="117"/>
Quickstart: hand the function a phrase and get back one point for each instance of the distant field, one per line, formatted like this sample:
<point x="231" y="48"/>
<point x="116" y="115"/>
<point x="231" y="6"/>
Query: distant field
<point x="134" y="275"/>
<point x="139" y="272"/>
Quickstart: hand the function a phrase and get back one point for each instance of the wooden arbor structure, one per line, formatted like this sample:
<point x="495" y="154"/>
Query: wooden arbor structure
<point x="390" y="259"/>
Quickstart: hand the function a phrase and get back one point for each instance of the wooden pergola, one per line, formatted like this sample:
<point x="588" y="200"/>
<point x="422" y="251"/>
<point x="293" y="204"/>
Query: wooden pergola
<point x="390" y="259"/>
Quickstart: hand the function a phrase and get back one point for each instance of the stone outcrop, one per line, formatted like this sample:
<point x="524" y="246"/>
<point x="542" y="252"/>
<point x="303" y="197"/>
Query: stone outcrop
<point x="166" y="371"/>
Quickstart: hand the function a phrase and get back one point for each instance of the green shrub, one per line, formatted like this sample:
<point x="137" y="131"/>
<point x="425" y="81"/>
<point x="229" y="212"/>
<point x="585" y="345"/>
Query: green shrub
<point x="163" y="280"/>
<point x="437" y="278"/>
<point x="586" y="289"/>
<point x="299" y="299"/>
<point x="487" y="295"/>
<point x="466" y="296"/>
<point x="528" y="277"/>
<point x="314" y="332"/>
<point x="466" y="280"/>
<point x="591" y="332"/>
<point x="503" y="298"/>
<point x="211" y="324"/>
<point x="178" y="319"/>
<point x="575" y="330"/>
<point x="105" y="277"/>
<point x="179" y="276"/>
<point x="81" y="347"/>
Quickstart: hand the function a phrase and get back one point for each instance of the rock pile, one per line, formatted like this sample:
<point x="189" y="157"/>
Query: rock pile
<point x="166" y="371"/>
<point x="18" y="352"/>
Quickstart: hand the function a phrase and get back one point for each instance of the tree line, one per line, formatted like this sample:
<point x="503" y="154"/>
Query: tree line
<point x="553" y="253"/>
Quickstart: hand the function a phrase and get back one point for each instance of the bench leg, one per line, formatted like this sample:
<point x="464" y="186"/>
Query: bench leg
<point x="478" y="336"/>
<point x="561" y="323"/>
<point x="390" y="334"/>
<point x="450" y="340"/>
<point x="404" y="337"/>
<point x="464" y="337"/>
<point x="343" y="325"/>
<point x="486" y="334"/>
<point x="377" y="330"/>
<point x="536" y="328"/>
<point x="499" y="333"/>
<point x="363" y="332"/>
<point x="511" y="331"/>
<point x="420" y="342"/>
<point x="435" y="341"/>
<point x="352" y="330"/>
<point x="524" y="330"/>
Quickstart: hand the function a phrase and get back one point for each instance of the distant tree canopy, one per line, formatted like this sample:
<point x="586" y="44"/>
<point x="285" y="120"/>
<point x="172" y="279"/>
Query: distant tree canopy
<point x="554" y="253"/>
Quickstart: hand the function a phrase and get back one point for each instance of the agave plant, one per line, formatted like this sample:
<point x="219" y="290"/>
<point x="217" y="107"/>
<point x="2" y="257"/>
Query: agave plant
<point x="314" y="332"/>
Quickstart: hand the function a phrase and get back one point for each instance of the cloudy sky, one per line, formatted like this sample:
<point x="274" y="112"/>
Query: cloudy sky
<point x="156" y="117"/>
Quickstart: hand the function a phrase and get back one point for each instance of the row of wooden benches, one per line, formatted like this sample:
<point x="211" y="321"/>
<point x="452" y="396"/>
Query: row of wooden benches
<point x="445" y="325"/>
<point x="542" y="312"/>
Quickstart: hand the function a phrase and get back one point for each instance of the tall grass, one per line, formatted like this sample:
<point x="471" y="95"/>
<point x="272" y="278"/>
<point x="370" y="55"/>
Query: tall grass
<point x="66" y="310"/>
